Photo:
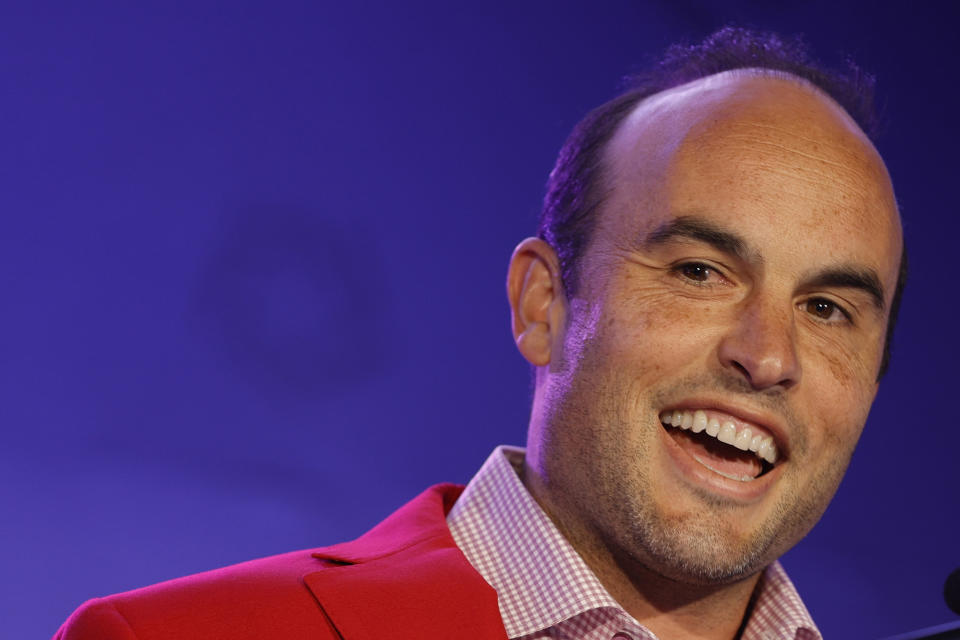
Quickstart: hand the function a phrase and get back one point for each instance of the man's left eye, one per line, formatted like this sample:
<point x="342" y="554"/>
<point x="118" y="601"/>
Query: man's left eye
<point x="825" y="310"/>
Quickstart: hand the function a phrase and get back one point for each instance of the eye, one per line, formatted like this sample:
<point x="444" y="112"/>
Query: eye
<point x="826" y="310"/>
<point x="696" y="272"/>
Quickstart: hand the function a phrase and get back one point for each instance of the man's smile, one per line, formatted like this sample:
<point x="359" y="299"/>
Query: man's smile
<point x="725" y="428"/>
<point x="731" y="454"/>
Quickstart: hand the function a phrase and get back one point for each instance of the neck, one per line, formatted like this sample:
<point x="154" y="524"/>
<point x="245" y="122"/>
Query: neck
<point x="669" y="608"/>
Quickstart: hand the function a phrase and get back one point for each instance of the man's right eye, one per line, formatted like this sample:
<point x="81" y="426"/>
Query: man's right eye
<point x="696" y="271"/>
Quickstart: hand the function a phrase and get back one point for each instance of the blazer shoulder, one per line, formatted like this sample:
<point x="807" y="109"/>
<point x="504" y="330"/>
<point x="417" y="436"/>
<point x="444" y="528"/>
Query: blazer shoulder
<point x="264" y="598"/>
<point x="97" y="619"/>
<point x="290" y="595"/>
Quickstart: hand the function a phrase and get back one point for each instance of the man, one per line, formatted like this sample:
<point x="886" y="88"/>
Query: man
<point x="708" y="309"/>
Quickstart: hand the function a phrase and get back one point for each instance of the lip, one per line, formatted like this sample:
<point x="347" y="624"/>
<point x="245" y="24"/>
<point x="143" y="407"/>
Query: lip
<point x="703" y="478"/>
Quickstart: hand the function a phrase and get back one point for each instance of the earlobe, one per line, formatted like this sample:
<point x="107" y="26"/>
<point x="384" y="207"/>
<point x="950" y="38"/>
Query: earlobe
<point x="534" y="289"/>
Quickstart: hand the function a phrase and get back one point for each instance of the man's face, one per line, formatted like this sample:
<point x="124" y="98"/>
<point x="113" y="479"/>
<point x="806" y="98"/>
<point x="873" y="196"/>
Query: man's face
<point x="738" y="278"/>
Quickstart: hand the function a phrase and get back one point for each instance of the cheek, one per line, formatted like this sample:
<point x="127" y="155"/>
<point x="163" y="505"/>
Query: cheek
<point x="842" y="402"/>
<point x="664" y="329"/>
<point x="841" y="382"/>
<point x="851" y="360"/>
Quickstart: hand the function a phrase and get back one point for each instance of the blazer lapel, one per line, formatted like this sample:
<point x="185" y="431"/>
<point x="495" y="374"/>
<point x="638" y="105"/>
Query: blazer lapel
<point x="407" y="579"/>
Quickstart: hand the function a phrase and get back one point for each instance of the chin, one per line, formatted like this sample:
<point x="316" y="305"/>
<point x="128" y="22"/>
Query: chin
<point x="704" y="566"/>
<point x="699" y="550"/>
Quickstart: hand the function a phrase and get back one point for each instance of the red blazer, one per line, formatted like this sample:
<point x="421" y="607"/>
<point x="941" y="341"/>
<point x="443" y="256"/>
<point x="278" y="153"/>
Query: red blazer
<point x="403" y="579"/>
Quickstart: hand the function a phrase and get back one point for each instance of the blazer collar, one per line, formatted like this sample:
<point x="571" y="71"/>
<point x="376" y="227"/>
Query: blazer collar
<point x="406" y="578"/>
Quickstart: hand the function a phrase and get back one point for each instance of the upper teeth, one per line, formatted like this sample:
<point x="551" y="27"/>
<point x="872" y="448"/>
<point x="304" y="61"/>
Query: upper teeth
<point x="726" y="431"/>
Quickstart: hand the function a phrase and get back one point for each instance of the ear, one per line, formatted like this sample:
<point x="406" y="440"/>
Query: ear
<point x="537" y="300"/>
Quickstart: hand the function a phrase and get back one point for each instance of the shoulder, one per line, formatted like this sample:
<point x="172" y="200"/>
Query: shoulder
<point x="289" y="595"/>
<point x="255" y="599"/>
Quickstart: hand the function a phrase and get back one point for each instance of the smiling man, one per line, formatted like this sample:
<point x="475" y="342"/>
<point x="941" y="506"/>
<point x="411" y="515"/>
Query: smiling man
<point x="708" y="310"/>
<point x="705" y="369"/>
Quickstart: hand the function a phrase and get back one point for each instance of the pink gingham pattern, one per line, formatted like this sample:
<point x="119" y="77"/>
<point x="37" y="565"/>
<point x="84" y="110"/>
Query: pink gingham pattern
<point x="545" y="590"/>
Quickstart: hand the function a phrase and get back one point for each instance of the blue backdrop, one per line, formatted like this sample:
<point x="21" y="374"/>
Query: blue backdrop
<point x="254" y="253"/>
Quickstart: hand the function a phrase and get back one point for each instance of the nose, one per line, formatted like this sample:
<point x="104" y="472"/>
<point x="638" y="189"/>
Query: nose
<point x="761" y="347"/>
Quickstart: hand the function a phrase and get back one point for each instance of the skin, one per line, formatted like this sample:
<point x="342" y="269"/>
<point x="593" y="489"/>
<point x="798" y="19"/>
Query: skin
<point x="682" y="322"/>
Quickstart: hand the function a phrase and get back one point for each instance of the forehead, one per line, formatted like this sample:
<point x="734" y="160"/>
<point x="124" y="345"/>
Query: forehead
<point x="769" y="157"/>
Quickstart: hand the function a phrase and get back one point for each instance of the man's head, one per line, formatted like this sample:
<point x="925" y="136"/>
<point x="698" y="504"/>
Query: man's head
<point x="738" y="273"/>
<point x="578" y="187"/>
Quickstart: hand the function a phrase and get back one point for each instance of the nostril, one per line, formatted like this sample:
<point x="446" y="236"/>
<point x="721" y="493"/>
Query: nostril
<point x="742" y="369"/>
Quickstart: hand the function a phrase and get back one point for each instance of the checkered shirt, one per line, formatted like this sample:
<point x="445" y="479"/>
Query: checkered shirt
<point x="545" y="589"/>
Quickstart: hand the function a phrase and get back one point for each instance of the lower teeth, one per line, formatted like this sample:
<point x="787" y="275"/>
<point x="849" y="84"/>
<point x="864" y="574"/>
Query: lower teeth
<point x="727" y="475"/>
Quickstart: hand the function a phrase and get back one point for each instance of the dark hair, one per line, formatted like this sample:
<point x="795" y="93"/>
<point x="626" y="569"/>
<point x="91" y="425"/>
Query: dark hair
<point x="576" y="188"/>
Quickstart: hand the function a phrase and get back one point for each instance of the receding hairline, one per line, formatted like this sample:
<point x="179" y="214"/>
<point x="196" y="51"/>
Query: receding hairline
<point x="752" y="73"/>
<point x="664" y="121"/>
<point x="727" y="85"/>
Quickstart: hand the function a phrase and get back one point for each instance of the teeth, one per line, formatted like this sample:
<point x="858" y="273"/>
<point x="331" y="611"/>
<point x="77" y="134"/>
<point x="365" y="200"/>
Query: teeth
<point x="699" y="421"/>
<point x="723" y="473"/>
<point x="768" y="451"/>
<point x="728" y="433"/>
<point x="745" y="440"/>
<point x="713" y="427"/>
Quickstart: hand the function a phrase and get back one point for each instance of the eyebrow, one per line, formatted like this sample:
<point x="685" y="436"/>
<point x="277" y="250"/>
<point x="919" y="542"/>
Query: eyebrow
<point x="851" y="277"/>
<point x="701" y="230"/>
<point x="695" y="228"/>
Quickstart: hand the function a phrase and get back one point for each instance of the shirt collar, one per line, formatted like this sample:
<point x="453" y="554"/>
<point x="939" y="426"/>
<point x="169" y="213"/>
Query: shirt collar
<point x="540" y="580"/>
<point x="778" y="610"/>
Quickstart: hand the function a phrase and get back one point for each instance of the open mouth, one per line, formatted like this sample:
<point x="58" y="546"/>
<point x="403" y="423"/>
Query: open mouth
<point x="724" y="445"/>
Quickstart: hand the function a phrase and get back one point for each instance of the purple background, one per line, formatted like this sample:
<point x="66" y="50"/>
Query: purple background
<point x="253" y="261"/>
